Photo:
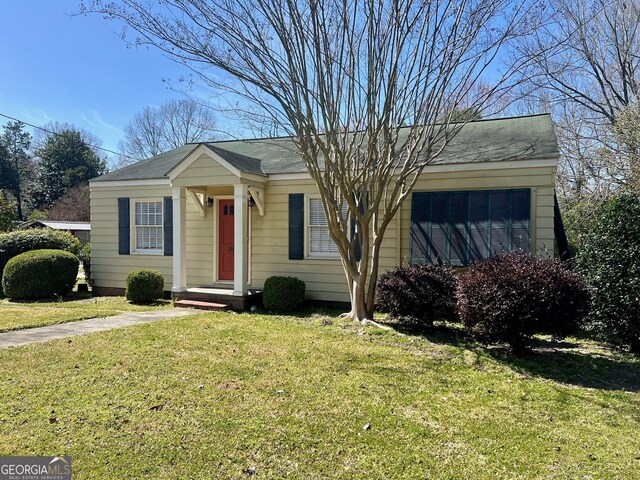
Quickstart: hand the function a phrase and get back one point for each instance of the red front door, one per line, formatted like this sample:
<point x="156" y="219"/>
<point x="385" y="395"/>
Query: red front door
<point x="225" y="240"/>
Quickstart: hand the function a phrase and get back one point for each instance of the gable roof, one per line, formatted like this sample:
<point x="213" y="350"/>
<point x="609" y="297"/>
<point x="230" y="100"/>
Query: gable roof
<point x="492" y="140"/>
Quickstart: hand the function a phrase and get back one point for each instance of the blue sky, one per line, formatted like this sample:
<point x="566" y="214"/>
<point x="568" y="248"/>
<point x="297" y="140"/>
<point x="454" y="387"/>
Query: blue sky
<point x="76" y="69"/>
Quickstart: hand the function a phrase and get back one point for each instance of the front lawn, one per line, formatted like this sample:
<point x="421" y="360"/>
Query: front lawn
<point x="15" y="315"/>
<point x="217" y="395"/>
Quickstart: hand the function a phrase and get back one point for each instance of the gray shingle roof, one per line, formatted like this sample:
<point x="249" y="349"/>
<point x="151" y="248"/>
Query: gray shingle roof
<point x="493" y="140"/>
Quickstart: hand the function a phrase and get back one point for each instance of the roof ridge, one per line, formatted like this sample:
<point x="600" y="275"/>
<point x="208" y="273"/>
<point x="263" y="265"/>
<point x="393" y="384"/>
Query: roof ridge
<point x="286" y="137"/>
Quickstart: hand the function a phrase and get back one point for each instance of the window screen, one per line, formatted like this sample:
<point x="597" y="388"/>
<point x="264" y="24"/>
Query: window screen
<point x="148" y="225"/>
<point x="458" y="228"/>
<point x="319" y="240"/>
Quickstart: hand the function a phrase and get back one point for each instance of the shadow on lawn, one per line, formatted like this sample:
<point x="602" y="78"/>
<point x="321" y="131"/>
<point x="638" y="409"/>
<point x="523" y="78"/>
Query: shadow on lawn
<point x="574" y="366"/>
<point x="580" y="363"/>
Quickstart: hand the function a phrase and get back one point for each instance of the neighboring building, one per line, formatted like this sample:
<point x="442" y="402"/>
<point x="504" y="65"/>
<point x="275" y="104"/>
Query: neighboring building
<point x="185" y="212"/>
<point x="81" y="230"/>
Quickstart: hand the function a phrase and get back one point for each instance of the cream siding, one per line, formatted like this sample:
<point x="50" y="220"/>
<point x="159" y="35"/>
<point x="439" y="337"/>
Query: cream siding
<point x="269" y="234"/>
<point x="204" y="171"/>
<point x="324" y="278"/>
<point x="108" y="268"/>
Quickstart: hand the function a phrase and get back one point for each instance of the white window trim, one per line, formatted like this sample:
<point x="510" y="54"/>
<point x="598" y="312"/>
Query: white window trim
<point x="307" y="233"/>
<point x="134" y="231"/>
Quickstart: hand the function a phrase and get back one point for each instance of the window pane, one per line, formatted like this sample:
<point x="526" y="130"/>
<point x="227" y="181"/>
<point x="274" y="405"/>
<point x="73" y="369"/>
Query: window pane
<point x="499" y="241"/>
<point x="321" y="241"/>
<point x="316" y="212"/>
<point x="499" y="206"/>
<point x="148" y="221"/>
<point x="458" y="232"/>
<point x="520" y="206"/>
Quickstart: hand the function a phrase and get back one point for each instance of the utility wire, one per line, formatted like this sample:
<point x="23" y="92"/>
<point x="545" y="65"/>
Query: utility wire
<point x="60" y="135"/>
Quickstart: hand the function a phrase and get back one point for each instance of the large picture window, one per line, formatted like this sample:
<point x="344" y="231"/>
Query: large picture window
<point x="148" y="227"/>
<point x="320" y="242"/>
<point x="458" y="228"/>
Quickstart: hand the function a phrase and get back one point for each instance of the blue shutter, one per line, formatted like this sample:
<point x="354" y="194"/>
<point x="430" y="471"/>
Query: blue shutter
<point x="168" y="226"/>
<point x="124" y="226"/>
<point x="296" y="226"/>
<point x="358" y="245"/>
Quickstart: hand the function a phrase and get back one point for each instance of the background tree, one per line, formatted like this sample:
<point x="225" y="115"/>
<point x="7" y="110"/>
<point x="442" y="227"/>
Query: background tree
<point x="73" y="206"/>
<point x="16" y="165"/>
<point x="66" y="161"/>
<point x="41" y="135"/>
<point x="158" y="129"/>
<point x="360" y="86"/>
<point x="8" y="212"/>
<point x="584" y="66"/>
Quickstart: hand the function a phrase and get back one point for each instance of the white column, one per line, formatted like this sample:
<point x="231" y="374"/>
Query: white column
<point x="240" y="215"/>
<point x="179" y="240"/>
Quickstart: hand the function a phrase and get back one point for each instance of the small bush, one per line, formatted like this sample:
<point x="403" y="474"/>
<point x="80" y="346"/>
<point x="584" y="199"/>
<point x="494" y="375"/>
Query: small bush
<point x="512" y="296"/>
<point x="144" y="286"/>
<point x="85" y="258"/>
<point x="283" y="294"/>
<point x="610" y="261"/>
<point x="418" y="293"/>
<point x="15" y="243"/>
<point x="40" y="274"/>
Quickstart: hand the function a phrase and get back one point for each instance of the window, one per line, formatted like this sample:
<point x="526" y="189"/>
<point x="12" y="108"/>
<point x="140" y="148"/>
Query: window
<point x="148" y="227"/>
<point x="461" y="227"/>
<point x="320" y="243"/>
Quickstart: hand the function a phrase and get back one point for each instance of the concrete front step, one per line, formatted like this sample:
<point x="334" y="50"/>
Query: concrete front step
<point x="200" y="305"/>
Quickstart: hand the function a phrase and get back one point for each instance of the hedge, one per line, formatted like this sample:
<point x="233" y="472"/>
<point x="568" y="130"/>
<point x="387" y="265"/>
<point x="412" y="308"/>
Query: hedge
<point x="20" y="241"/>
<point x="40" y="274"/>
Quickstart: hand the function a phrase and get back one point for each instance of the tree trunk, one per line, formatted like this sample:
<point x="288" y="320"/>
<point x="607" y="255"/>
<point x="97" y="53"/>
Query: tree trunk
<point x="19" y="206"/>
<point x="359" y="311"/>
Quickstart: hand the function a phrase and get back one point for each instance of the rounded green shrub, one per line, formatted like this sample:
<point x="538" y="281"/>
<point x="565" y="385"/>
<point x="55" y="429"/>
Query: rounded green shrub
<point x="418" y="294"/>
<point x="283" y="294"/>
<point x="20" y="241"/>
<point x="144" y="286"/>
<point x="40" y="274"/>
<point x="512" y="296"/>
<point x="610" y="261"/>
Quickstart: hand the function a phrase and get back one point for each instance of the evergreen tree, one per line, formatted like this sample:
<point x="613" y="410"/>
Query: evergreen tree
<point x="66" y="161"/>
<point x="16" y="165"/>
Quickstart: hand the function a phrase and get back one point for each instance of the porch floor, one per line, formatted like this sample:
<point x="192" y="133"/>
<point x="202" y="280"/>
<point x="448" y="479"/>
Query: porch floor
<point x="222" y="296"/>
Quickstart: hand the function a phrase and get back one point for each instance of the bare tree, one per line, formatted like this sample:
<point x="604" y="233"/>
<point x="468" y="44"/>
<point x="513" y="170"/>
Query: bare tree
<point x="73" y="206"/>
<point x="157" y="129"/>
<point x="362" y="87"/>
<point x="41" y="136"/>
<point x="585" y="66"/>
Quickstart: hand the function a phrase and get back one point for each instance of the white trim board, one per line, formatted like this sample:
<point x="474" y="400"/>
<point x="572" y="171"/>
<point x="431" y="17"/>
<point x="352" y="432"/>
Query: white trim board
<point x="131" y="183"/>
<point x="203" y="149"/>
<point x="448" y="167"/>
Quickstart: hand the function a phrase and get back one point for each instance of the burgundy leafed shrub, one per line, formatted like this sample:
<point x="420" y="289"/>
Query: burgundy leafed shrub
<point x="512" y="296"/>
<point x="418" y="293"/>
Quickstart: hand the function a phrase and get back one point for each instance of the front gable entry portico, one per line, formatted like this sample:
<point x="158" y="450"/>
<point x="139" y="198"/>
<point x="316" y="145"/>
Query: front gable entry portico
<point x="227" y="215"/>
<point x="203" y="171"/>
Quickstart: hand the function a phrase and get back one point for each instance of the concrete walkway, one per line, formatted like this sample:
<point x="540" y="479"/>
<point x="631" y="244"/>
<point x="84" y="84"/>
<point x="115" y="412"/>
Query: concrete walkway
<point x="84" y="327"/>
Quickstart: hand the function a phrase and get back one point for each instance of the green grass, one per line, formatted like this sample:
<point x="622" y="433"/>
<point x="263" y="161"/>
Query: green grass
<point x="15" y="315"/>
<point x="211" y="395"/>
